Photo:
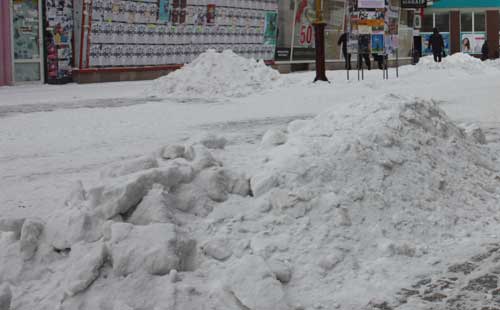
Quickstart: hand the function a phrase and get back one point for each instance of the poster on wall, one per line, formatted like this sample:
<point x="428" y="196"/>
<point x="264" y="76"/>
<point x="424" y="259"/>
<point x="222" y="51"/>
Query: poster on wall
<point x="378" y="43"/>
<point x="58" y="40"/>
<point x="426" y="50"/>
<point x="471" y="43"/>
<point x="391" y="44"/>
<point x="304" y="17"/>
<point x="25" y="29"/>
<point x="160" y="32"/>
<point x="371" y="4"/>
<point x="271" y="27"/>
<point x="164" y="11"/>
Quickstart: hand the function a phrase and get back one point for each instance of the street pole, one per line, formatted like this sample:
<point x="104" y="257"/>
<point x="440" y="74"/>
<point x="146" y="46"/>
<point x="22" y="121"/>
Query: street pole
<point x="319" y="41"/>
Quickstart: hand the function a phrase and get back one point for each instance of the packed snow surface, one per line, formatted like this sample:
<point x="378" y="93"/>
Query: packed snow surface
<point x="344" y="209"/>
<point x="213" y="75"/>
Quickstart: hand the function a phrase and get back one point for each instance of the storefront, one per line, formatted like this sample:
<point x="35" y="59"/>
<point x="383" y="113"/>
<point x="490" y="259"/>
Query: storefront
<point x="295" y="42"/>
<point x="465" y="25"/>
<point x="109" y="40"/>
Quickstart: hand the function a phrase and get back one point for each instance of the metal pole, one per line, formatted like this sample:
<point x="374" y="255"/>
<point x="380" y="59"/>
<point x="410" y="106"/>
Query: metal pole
<point x="293" y="29"/>
<point x="319" y="34"/>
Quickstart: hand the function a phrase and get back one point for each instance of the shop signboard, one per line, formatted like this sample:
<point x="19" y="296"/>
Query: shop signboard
<point x="413" y="4"/>
<point x="371" y="4"/>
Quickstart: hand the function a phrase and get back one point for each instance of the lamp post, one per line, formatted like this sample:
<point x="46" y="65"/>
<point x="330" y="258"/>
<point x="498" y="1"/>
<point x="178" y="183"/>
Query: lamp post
<point x="319" y="41"/>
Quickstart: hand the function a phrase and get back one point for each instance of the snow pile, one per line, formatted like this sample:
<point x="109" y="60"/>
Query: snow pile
<point x="458" y="61"/>
<point x="346" y="208"/>
<point x="379" y="190"/>
<point x="215" y="74"/>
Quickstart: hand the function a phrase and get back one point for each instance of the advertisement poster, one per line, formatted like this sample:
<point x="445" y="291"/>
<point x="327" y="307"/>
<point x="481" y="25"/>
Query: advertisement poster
<point x="391" y="44"/>
<point x="210" y="13"/>
<point x="305" y="15"/>
<point x="373" y="19"/>
<point x="26" y="31"/>
<point x="378" y="43"/>
<point x="58" y="40"/>
<point x="392" y="20"/>
<point x="270" y="28"/>
<point x="371" y="4"/>
<point x="471" y="43"/>
<point x="426" y="50"/>
<point x="164" y="11"/>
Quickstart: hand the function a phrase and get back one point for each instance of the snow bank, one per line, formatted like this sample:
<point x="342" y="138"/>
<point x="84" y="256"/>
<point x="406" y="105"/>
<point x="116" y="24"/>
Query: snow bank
<point x="458" y="61"/>
<point x="347" y="208"/>
<point x="214" y="75"/>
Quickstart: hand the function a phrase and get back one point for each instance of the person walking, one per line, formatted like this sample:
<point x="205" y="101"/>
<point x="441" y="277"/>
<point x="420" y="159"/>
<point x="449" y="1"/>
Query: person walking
<point x="436" y="44"/>
<point x="347" y="56"/>
<point x="485" y="51"/>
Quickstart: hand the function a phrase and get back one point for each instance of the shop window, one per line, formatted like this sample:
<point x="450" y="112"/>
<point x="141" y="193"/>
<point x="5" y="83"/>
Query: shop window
<point x="428" y="23"/>
<point x="479" y="22"/>
<point x="466" y="22"/>
<point x="442" y="22"/>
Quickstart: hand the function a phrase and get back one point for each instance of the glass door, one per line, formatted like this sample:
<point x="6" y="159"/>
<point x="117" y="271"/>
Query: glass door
<point x="27" y="40"/>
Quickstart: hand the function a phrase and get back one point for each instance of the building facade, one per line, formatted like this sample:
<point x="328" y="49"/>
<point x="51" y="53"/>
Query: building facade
<point x="57" y="41"/>
<point x="465" y="25"/>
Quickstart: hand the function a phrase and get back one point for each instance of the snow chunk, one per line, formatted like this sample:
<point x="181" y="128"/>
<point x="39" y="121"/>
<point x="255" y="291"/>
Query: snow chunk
<point x="129" y="167"/>
<point x="281" y="270"/>
<point x="202" y="158"/>
<point x="215" y="75"/>
<point x="13" y="225"/>
<point x="254" y="286"/>
<point x="154" y="208"/>
<point x="210" y="140"/>
<point x="30" y="236"/>
<point x="86" y="261"/>
<point x="475" y="132"/>
<point x="174" y="151"/>
<point x="273" y="137"/>
<point x="215" y="182"/>
<point x="155" y="249"/>
<point x="71" y="227"/>
<point x="218" y="249"/>
<point x="121" y="195"/>
<point x="76" y="196"/>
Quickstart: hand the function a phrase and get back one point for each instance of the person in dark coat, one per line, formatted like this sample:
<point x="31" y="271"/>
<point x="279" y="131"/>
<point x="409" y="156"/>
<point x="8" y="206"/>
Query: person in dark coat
<point x="485" y="51"/>
<point x="343" y="41"/>
<point x="366" y="57"/>
<point x="436" y="43"/>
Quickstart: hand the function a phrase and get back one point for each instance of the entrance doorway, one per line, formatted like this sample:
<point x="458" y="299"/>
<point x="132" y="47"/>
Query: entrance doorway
<point x="27" y="42"/>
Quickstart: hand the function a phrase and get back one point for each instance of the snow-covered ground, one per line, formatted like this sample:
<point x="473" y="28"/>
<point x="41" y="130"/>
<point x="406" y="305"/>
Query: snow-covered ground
<point x="52" y="136"/>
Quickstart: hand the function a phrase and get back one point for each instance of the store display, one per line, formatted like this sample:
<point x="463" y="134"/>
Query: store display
<point x="187" y="27"/>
